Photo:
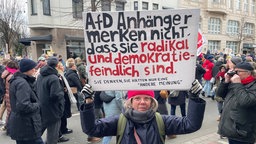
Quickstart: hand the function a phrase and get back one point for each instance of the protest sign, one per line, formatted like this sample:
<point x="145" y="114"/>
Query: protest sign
<point x="141" y="49"/>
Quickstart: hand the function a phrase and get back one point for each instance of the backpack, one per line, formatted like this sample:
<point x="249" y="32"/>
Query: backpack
<point x="122" y="124"/>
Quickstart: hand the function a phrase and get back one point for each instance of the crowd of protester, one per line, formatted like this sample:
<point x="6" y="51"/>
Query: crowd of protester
<point x="52" y="85"/>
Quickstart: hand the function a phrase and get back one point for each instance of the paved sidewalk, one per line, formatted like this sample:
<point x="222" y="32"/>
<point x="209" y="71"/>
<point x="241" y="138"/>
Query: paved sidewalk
<point x="213" y="138"/>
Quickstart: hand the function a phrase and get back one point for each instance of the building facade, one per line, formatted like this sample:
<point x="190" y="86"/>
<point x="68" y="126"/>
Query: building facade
<point x="228" y="25"/>
<point x="56" y="26"/>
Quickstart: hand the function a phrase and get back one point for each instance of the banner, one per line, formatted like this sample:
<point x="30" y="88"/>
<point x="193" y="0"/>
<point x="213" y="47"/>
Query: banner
<point x="141" y="50"/>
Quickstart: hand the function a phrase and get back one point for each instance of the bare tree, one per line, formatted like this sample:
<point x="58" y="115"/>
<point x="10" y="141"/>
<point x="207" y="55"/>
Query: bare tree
<point x="11" y="23"/>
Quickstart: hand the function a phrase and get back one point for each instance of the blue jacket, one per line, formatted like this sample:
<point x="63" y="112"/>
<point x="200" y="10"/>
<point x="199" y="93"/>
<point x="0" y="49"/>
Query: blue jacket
<point x="147" y="132"/>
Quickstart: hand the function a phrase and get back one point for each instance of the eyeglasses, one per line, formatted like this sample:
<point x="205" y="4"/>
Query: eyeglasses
<point x="139" y="99"/>
<point x="238" y="71"/>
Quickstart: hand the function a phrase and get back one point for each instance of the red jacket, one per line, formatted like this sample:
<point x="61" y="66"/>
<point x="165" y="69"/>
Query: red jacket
<point x="208" y="65"/>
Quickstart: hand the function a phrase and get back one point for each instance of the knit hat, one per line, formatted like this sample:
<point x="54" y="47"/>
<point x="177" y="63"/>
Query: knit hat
<point x="52" y="61"/>
<point x="41" y="59"/>
<point x="210" y="57"/>
<point x="133" y="93"/>
<point x="245" y="66"/>
<point x="26" y="65"/>
<point x="236" y="60"/>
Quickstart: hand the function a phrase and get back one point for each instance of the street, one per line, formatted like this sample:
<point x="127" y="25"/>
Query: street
<point x="206" y="135"/>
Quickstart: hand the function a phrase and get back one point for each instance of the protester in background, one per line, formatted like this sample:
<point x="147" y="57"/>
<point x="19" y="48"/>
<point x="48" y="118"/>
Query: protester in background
<point x="10" y="69"/>
<point x="231" y="63"/>
<point x="2" y="91"/>
<point x="200" y="71"/>
<point x="73" y="79"/>
<point x="219" y="78"/>
<point x="161" y="97"/>
<point x="178" y="98"/>
<point x="238" y="119"/>
<point x="140" y="113"/>
<point x="40" y="63"/>
<point x="25" y="119"/>
<point x="208" y="65"/>
<point x="62" y="61"/>
<point x="67" y="106"/>
<point x="51" y="96"/>
<point x="81" y="71"/>
<point x="113" y="105"/>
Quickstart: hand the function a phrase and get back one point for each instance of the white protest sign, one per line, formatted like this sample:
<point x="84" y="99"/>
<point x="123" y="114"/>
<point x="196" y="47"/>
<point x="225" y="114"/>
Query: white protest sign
<point x="141" y="50"/>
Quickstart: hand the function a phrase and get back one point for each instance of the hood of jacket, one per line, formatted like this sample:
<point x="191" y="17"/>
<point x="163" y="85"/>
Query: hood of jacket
<point x="29" y="79"/>
<point x="70" y="71"/>
<point x="48" y="70"/>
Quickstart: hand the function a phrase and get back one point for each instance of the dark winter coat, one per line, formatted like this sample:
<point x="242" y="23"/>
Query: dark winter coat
<point x="216" y="68"/>
<point x="73" y="79"/>
<point x="67" y="105"/>
<point x="180" y="99"/>
<point x="25" y="119"/>
<point x="200" y="71"/>
<point x="148" y="132"/>
<point x="51" y="95"/>
<point x="238" y="118"/>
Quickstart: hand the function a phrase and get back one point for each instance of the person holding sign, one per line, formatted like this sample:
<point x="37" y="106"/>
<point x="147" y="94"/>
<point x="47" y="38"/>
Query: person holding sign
<point x="139" y="121"/>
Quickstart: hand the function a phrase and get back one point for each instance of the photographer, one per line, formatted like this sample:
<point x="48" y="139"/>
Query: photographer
<point x="238" y="119"/>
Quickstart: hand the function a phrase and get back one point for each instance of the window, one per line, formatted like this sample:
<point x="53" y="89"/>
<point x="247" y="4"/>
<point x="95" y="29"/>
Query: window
<point x="77" y="6"/>
<point x="155" y="6"/>
<point x="230" y="4"/>
<point x="135" y="5"/>
<point x="249" y="29"/>
<point x="246" y="5"/>
<point x="75" y="49"/>
<point x="119" y="6"/>
<point x="233" y="27"/>
<point x="33" y="7"/>
<point x="144" y="5"/>
<point x="105" y="5"/>
<point x="216" y="1"/>
<point x="214" y="25"/>
<point x="238" y="4"/>
<point x="46" y="7"/>
<point x="253" y="7"/>
<point x="233" y="45"/>
<point x="213" y="46"/>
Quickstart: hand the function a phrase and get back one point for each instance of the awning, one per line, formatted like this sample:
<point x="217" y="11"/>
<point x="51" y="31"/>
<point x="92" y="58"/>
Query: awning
<point x="121" y="1"/>
<point x="26" y="41"/>
<point x="249" y="45"/>
<point x="74" y="38"/>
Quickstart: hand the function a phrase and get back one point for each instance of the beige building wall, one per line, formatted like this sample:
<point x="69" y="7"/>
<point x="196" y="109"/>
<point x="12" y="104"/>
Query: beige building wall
<point x="225" y="10"/>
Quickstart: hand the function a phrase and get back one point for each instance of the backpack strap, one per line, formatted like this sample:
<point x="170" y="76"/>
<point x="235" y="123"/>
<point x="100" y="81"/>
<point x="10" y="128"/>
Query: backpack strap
<point x="120" y="128"/>
<point x="122" y="124"/>
<point x="161" y="126"/>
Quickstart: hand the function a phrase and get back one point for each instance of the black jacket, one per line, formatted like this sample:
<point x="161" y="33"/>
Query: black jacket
<point x="25" y="119"/>
<point x="51" y="95"/>
<point x="199" y="71"/>
<point x="216" y="68"/>
<point x="238" y="118"/>
<point x="73" y="79"/>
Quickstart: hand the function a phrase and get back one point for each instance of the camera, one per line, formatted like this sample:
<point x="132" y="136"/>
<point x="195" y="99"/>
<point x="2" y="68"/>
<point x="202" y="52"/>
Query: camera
<point x="231" y="73"/>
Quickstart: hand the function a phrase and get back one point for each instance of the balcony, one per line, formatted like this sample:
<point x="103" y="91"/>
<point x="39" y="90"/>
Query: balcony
<point x="217" y="7"/>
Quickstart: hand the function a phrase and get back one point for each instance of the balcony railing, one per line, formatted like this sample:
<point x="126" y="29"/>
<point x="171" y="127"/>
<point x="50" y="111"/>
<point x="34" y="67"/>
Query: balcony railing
<point x="217" y="7"/>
